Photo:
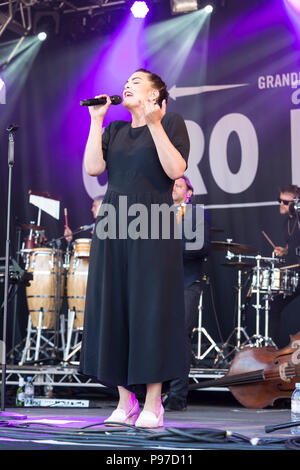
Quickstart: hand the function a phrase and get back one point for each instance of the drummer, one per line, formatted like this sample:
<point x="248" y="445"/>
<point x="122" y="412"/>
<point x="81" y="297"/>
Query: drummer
<point x="68" y="234"/>
<point x="291" y="237"/>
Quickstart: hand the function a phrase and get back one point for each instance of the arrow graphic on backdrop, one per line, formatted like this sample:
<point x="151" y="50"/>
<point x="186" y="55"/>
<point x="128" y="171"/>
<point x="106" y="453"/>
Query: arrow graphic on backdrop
<point x="178" y="92"/>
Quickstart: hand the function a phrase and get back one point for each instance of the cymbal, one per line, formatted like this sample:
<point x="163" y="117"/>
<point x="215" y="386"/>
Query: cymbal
<point x="32" y="227"/>
<point x="238" y="265"/>
<point x="233" y="247"/>
<point x="215" y="229"/>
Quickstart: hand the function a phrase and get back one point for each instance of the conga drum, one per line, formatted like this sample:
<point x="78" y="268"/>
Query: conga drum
<point x="44" y="292"/>
<point x="77" y="279"/>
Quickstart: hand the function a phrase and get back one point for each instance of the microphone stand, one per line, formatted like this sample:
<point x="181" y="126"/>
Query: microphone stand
<point x="79" y="230"/>
<point x="11" y="157"/>
<point x="15" y="300"/>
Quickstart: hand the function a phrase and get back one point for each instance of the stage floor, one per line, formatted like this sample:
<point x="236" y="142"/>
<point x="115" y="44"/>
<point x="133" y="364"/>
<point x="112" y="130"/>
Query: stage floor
<point x="213" y="420"/>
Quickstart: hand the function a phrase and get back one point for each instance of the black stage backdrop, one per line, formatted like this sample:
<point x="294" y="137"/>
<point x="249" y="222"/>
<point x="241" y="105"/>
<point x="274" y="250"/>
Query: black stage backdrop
<point x="235" y="83"/>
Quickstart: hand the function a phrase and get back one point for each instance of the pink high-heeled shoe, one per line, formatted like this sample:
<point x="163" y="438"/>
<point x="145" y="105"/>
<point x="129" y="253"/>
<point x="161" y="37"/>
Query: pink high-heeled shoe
<point x="120" y="416"/>
<point x="147" y="419"/>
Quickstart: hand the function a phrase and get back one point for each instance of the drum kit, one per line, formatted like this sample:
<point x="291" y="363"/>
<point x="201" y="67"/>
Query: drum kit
<point x="268" y="278"/>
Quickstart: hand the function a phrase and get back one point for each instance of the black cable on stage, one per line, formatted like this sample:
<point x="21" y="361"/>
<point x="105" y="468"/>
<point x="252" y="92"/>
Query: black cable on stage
<point x="140" y="436"/>
<point x="144" y="439"/>
<point x="293" y="444"/>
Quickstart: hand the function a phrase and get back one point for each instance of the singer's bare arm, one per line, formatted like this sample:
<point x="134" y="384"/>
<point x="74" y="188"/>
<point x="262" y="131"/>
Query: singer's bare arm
<point x="170" y="158"/>
<point x="94" y="163"/>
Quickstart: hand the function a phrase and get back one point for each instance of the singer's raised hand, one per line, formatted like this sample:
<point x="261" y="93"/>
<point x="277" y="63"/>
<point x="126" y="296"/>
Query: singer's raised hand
<point x="99" y="111"/>
<point x="153" y="112"/>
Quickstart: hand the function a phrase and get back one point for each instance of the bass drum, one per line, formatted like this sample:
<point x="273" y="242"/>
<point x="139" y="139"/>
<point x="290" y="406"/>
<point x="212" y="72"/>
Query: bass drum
<point x="45" y="265"/>
<point x="77" y="279"/>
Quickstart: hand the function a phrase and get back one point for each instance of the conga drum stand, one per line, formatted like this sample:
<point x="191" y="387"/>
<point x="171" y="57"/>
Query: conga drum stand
<point x="77" y="272"/>
<point x="73" y="344"/>
<point x="44" y="297"/>
<point x="59" y="319"/>
<point x="41" y="340"/>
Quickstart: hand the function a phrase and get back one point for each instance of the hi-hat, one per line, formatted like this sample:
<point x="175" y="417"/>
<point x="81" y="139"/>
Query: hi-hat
<point x="238" y="265"/>
<point x="233" y="247"/>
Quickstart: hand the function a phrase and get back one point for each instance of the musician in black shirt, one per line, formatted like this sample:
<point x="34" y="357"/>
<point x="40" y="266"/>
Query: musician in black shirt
<point x="291" y="241"/>
<point x="193" y="261"/>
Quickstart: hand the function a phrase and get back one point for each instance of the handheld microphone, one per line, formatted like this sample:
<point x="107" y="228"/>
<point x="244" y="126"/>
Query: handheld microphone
<point x="115" y="99"/>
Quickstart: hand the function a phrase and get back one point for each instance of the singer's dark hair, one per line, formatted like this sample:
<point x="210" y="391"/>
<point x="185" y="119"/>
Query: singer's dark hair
<point x="158" y="84"/>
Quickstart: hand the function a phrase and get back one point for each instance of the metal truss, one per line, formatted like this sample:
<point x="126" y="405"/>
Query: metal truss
<point x="20" y="18"/>
<point x="17" y="16"/>
<point x="58" y="376"/>
<point x="68" y="376"/>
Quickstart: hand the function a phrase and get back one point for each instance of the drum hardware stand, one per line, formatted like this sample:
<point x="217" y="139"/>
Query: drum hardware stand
<point x="267" y="340"/>
<point x="257" y="338"/>
<point x="201" y="330"/>
<point x="77" y="345"/>
<point x="239" y="329"/>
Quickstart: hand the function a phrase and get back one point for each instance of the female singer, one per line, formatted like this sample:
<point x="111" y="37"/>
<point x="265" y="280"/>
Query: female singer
<point x="134" y="318"/>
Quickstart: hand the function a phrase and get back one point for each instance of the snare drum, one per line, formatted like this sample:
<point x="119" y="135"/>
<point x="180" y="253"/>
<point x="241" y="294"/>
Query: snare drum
<point x="77" y="279"/>
<point x="44" y="264"/>
<point x="284" y="281"/>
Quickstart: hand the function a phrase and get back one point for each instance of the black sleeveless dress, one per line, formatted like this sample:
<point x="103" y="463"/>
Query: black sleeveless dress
<point x="134" y="317"/>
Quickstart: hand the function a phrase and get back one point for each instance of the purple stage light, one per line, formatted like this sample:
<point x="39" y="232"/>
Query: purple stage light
<point x="139" y="9"/>
<point x="295" y="4"/>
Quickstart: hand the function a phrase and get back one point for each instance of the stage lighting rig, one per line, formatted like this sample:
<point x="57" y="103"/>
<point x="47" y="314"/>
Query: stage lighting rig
<point x="183" y="6"/>
<point x="42" y="36"/>
<point x="46" y="22"/>
<point x="139" y="9"/>
<point x="187" y="6"/>
<point x="209" y="8"/>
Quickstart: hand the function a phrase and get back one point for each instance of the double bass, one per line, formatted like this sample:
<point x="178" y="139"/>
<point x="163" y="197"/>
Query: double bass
<point x="258" y="376"/>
